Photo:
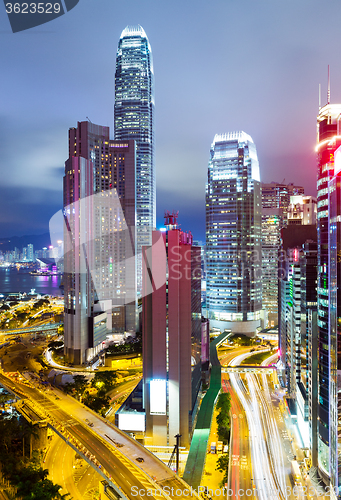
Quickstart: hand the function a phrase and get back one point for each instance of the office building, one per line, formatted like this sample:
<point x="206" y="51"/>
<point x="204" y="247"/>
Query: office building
<point x="297" y="336"/>
<point x="275" y="206"/>
<point x="99" y="240"/>
<point x="233" y="235"/>
<point x="302" y="210"/>
<point x="30" y="252"/>
<point x="172" y="331"/>
<point x="134" y="119"/>
<point x="334" y="326"/>
<point x="328" y="141"/>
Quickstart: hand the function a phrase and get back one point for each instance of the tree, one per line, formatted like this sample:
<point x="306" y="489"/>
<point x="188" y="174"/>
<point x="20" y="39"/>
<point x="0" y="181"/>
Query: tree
<point x="224" y="402"/>
<point x="223" y="417"/>
<point x="223" y="466"/>
<point x="55" y="344"/>
<point x="104" y="380"/>
<point x="25" y="474"/>
<point x="99" y="403"/>
<point x="79" y="385"/>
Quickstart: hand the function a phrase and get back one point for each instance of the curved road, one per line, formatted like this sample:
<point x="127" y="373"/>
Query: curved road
<point x="104" y="443"/>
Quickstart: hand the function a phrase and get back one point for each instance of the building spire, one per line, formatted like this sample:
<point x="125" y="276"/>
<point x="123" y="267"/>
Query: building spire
<point x="328" y="92"/>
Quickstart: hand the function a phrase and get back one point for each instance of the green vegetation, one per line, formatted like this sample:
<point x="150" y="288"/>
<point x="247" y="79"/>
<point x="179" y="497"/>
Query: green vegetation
<point x="257" y="359"/>
<point x="23" y="473"/>
<point x="222" y="466"/>
<point x="127" y="348"/>
<point x="97" y="402"/>
<point x="79" y="385"/>
<point x="104" y="380"/>
<point x="243" y="340"/>
<point x="223" y="418"/>
<point x="55" y="345"/>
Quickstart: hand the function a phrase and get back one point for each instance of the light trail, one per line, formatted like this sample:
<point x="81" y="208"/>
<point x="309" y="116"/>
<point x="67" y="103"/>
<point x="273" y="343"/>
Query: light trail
<point x="265" y="442"/>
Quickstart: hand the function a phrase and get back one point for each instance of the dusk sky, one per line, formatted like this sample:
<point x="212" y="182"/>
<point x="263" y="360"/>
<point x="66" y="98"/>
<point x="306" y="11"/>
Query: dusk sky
<point x="220" y="66"/>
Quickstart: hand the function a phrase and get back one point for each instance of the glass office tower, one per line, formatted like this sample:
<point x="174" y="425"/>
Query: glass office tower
<point x="134" y="119"/>
<point x="233" y="234"/>
<point x="328" y="140"/>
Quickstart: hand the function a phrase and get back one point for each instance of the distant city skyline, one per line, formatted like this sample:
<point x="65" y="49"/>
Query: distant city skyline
<point x="207" y="83"/>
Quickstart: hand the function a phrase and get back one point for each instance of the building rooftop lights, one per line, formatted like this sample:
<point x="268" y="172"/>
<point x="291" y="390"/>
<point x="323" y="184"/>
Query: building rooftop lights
<point x="133" y="31"/>
<point x="230" y="136"/>
<point x="332" y="110"/>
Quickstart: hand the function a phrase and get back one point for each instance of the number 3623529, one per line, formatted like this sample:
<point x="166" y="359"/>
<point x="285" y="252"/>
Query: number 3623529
<point x="32" y="8"/>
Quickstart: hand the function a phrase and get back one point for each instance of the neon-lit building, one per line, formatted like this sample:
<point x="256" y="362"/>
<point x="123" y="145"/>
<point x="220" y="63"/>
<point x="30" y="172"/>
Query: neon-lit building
<point x="233" y="235"/>
<point x="172" y="330"/>
<point x="99" y="237"/>
<point x="298" y="339"/>
<point x="328" y="141"/>
<point x="134" y="119"/>
<point x="334" y="326"/>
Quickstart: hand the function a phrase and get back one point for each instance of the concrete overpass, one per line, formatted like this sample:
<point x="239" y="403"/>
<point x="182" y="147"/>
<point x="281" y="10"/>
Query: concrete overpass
<point x="32" y="329"/>
<point x="249" y="369"/>
<point x="107" y="449"/>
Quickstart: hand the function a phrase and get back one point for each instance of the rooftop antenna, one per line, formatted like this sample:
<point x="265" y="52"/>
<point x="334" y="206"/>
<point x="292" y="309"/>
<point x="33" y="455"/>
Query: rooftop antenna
<point x="328" y="93"/>
<point x="319" y="96"/>
<point x="91" y="121"/>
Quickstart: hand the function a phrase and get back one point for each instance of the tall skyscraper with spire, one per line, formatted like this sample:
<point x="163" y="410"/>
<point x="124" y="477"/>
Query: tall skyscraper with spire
<point x="134" y="119"/>
<point x="328" y="281"/>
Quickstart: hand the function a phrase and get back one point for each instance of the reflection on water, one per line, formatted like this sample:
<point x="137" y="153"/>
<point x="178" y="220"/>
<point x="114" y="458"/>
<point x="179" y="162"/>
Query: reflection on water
<point x="14" y="281"/>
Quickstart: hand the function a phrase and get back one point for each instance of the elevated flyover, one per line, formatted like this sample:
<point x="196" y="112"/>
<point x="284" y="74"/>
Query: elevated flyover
<point x="107" y="449"/>
<point x="32" y="414"/>
<point x="39" y="328"/>
<point x="268" y="370"/>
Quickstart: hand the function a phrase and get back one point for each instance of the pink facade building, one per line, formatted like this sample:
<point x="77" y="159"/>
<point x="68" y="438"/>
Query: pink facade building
<point x="171" y="325"/>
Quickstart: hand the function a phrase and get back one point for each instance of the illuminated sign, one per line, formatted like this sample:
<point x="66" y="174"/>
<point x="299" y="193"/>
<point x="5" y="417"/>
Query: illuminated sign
<point x="132" y="421"/>
<point x="337" y="161"/>
<point x="157" y="397"/>
<point x="296" y="254"/>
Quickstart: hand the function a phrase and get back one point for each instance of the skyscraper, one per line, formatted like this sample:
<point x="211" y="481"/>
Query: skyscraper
<point x="134" y="119"/>
<point x="275" y="205"/>
<point x="99" y="239"/>
<point x="334" y="327"/>
<point x="328" y="140"/>
<point x="171" y="334"/>
<point x="233" y="234"/>
<point x="297" y="340"/>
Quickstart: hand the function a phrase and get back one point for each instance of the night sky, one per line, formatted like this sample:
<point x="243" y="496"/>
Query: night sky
<point x="220" y="65"/>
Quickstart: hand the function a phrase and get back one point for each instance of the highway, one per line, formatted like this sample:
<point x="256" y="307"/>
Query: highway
<point x="240" y="473"/>
<point x="269" y="472"/>
<point x="113" y="451"/>
<point x="59" y="462"/>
